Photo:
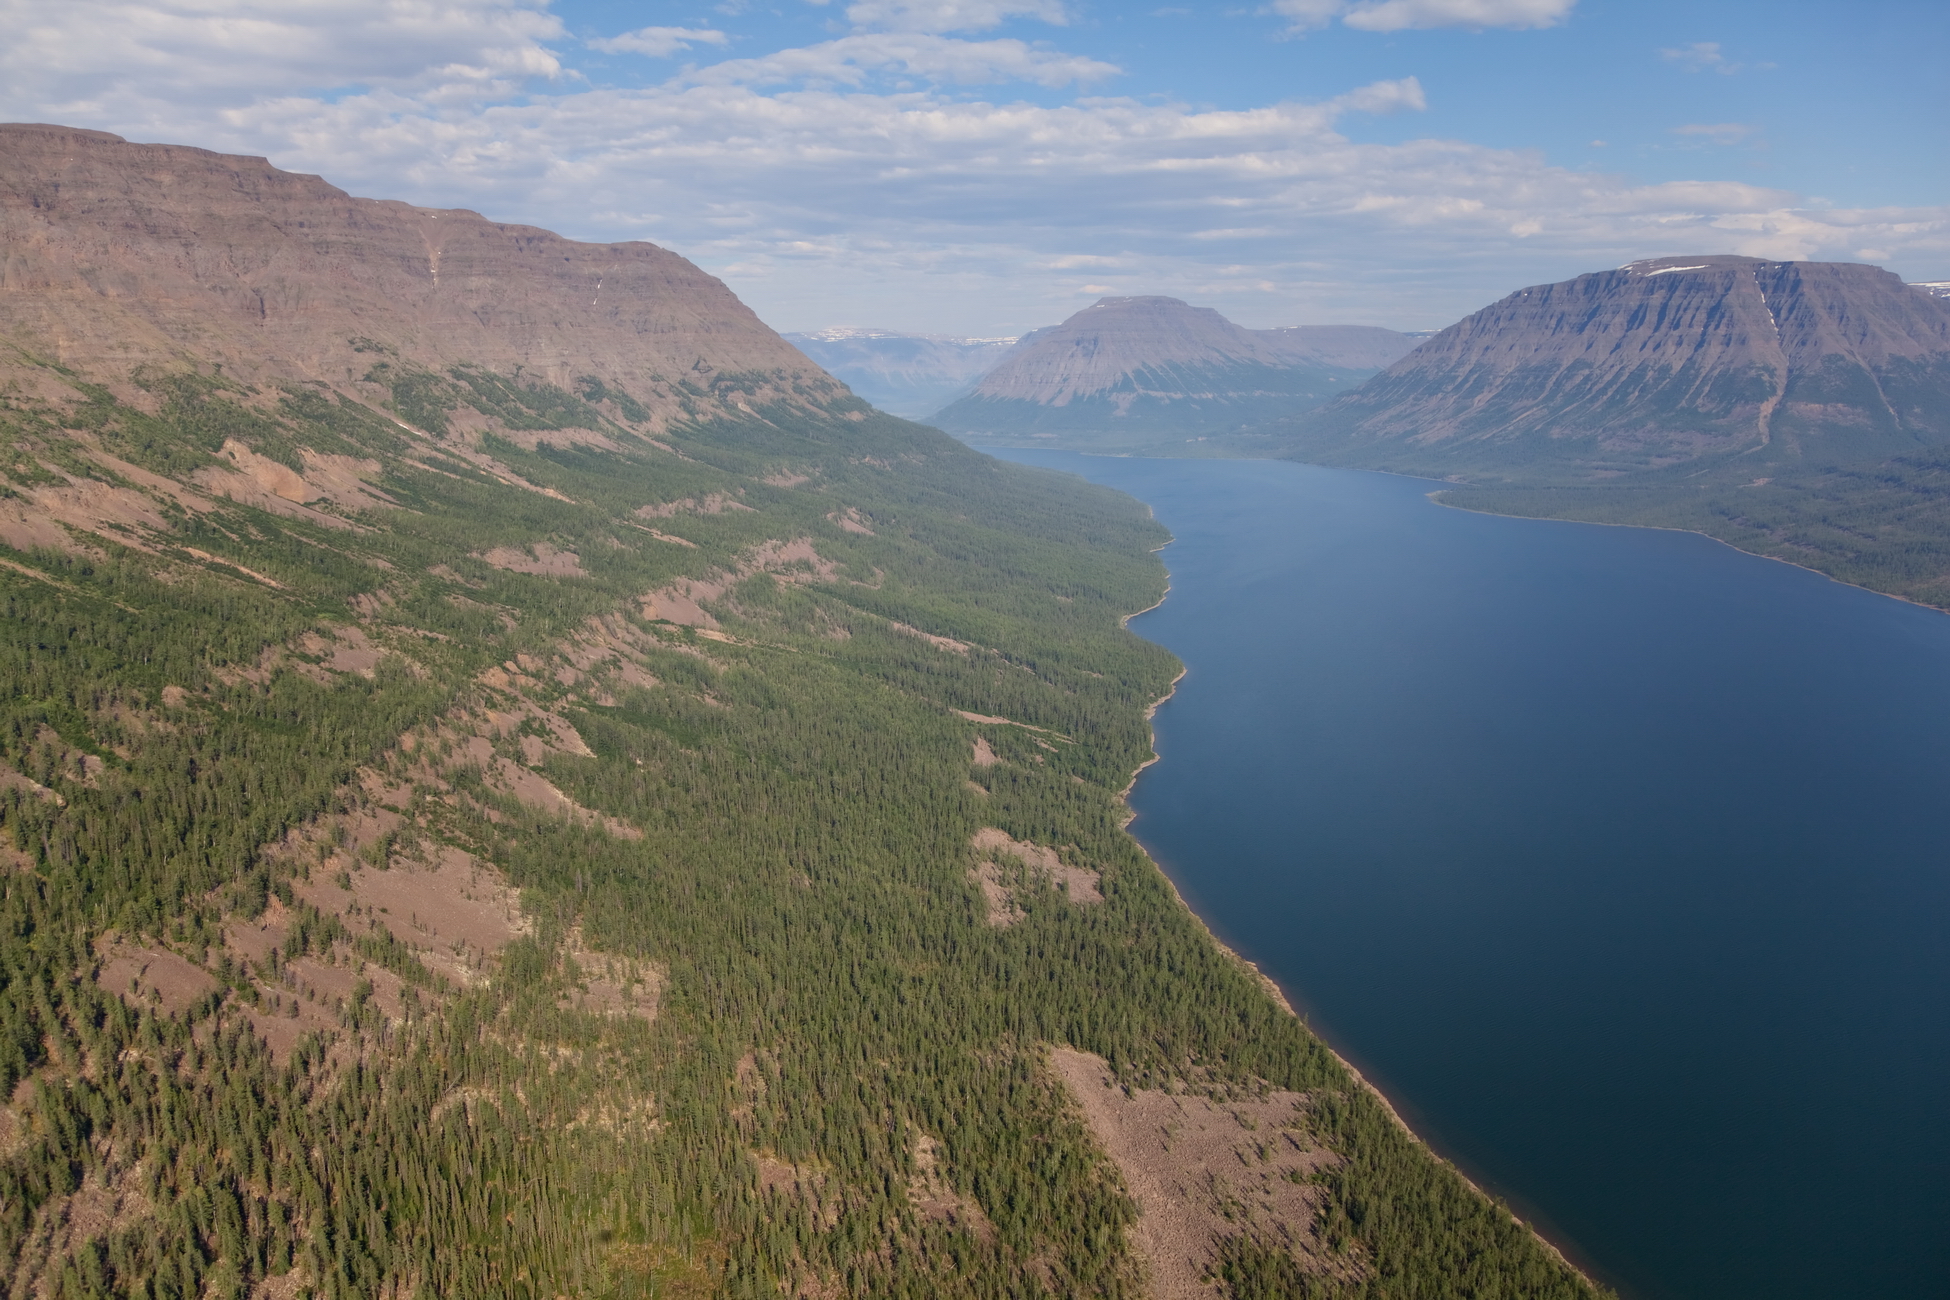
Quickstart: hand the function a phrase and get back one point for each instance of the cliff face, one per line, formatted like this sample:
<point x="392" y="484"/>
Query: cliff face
<point x="119" y="256"/>
<point x="1657" y="363"/>
<point x="1158" y="366"/>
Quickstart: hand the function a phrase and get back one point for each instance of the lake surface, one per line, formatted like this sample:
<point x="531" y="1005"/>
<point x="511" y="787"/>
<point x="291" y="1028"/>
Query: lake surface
<point x="1618" y="859"/>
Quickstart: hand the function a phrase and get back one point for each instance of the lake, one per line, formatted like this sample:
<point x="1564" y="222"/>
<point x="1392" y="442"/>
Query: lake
<point x="1618" y="859"/>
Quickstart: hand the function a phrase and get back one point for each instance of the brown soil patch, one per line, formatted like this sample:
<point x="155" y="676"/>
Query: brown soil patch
<point x="493" y="468"/>
<point x="1202" y="1170"/>
<point x="1079" y="884"/>
<point x="26" y="529"/>
<point x="681" y="601"/>
<point x="64" y="1225"/>
<point x="611" y="985"/>
<point x="988" y="720"/>
<point x="785" y="479"/>
<point x="803" y="1182"/>
<point x="934" y="1198"/>
<point x="938" y="642"/>
<point x="984" y="755"/>
<point x="306" y="994"/>
<point x="151" y="976"/>
<point x="252" y="574"/>
<point x="13" y="780"/>
<point x="714" y="503"/>
<point x="36" y="516"/>
<point x="453" y="908"/>
<point x="999" y="903"/>
<point x="539" y="558"/>
<point x="537" y="791"/>
<point x="287" y="1286"/>
<point x="347" y="650"/>
<point x="665" y="537"/>
<point x="272" y="485"/>
<point x="851" y="521"/>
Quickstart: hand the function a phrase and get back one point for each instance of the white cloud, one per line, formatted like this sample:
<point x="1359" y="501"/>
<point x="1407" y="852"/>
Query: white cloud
<point x="1399" y="15"/>
<point x="950" y="15"/>
<point x="850" y="61"/>
<point x="1702" y="56"/>
<point x="1717" y="132"/>
<point x="657" y="42"/>
<point x="1306" y="14"/>
<point x="822" y="192"/>
<point x="1396" y="15"/>
<point x="85" y="55"/>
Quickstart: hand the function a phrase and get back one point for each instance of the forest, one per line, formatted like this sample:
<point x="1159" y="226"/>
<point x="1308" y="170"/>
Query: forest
<point x="721" y="712"/>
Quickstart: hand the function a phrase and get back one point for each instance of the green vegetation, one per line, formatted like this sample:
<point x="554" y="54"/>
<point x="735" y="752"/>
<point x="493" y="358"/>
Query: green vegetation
<point x="805" y="799"/>
<point x="1883" y="524"/>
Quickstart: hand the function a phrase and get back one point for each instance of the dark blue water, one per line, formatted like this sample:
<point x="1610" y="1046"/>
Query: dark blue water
<point x="1619" y="859"/>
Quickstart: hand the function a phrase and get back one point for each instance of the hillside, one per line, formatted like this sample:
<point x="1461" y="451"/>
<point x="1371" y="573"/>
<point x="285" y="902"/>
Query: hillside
<point x="1795" y="409"/>
<point x="1676" y="360"/>
<point x="510" y="794"/>
<point x="1154" y="372"/>
<point x="910" y="375"/>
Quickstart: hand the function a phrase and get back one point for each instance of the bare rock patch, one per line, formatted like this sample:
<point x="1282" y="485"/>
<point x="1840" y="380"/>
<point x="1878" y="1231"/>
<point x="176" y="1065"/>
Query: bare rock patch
<point x="1203" y="1170"/>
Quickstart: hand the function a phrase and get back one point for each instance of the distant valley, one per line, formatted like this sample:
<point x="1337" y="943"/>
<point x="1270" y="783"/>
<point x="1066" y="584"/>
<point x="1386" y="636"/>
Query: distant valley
<point x="1795" y="409"/>
<point x="909" y="375"/>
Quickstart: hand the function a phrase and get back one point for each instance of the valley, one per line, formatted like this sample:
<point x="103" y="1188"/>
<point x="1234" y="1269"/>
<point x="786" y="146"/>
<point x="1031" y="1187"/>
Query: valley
<point x="511" y="781"/>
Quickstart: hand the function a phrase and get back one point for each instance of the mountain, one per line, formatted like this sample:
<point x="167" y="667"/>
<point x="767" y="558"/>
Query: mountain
<point x="122" y="256"/>
<point x="1678" y="360"/>
<point x="515" y="783"/>
<point x="903" y="374"/>
<point x="1799" y="410"/>
<point x="1154" y="370"/>
<point x="1935" y="288"/>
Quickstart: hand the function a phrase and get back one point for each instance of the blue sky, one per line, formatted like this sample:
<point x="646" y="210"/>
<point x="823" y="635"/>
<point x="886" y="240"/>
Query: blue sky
<point x="986" y="166"/>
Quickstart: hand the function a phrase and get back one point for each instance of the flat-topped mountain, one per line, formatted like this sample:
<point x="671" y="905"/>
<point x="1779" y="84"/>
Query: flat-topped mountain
<point x="1154" y="367"/>
<point x="909" y="375"/>
<point x="120" y="256"/>
<point x="1660" y="362"/>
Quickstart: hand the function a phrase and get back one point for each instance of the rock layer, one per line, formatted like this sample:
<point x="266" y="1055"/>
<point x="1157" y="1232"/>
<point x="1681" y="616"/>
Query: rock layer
<point x="1656" y="363"/>
<point x="119" y="256"/>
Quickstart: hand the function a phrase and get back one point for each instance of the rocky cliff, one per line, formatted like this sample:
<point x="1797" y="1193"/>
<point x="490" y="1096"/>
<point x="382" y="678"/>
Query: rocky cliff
<point x="1659" y="363"/>
<point x="1149" y="367"/>
<point x="125" y="257"/>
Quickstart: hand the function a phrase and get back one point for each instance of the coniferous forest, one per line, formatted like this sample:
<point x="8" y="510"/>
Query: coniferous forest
<point x="695" y="734"/>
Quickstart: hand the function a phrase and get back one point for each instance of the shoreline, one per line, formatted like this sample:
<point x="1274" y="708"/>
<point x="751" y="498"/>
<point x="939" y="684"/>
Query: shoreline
<point x="1434" y="498"/>
<point x="1272" y="987"/>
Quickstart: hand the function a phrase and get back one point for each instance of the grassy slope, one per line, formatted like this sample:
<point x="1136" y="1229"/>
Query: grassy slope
<point x="804" y="789"/>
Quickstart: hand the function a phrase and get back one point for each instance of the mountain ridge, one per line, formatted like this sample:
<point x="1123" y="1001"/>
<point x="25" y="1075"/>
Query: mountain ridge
<point x="124" y="255"/>
<point x="1657" y="363"/>
<point x="1156" y="367"/>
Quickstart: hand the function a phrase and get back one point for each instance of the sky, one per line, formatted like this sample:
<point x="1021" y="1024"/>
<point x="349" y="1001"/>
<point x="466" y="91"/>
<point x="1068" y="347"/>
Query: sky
<point x="984" y="167"/>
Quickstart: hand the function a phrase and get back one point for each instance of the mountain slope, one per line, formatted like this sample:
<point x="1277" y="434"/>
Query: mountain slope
<point x="469" y="834"/>
<point x="1657" y="363"/>
<point x="1155" y="370"/>
<point x="1799" y="410"/>
<point x="123" y="255"/>
<point x="909" y="375"/>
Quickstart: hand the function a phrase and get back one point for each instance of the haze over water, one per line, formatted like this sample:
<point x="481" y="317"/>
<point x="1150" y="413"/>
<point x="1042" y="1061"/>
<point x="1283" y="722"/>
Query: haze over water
<point x="1619" y="859"/>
